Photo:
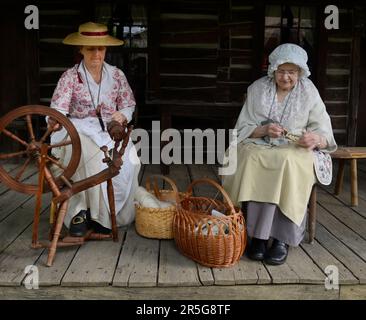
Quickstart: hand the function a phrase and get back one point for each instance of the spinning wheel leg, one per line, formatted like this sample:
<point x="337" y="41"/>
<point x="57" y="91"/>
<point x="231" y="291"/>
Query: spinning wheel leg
<point x="60" y="220"/>
<point x="53" y="219"/>
<point x="112" y="209"/>
<point x="42" y="164"/>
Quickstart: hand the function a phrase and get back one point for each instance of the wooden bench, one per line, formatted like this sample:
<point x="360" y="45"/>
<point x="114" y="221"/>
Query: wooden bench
<point x="352" y="154"/>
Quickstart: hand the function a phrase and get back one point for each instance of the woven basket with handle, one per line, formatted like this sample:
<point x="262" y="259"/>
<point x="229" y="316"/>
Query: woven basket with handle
<point x="209" y="240"/>
<point x="157" y="223"/>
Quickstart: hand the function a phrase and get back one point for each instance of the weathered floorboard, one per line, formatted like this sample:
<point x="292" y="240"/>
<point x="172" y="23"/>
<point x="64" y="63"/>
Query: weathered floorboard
<point x="304" y="267"/>
<point x="138" y="263"/>
<point x="346" y="215"/>
<point x="148" y="268"/>
<point x="29" y="172"/>
<point x="342" y="232"/>
<point x="174" y="268"/>
<point x="19" y="220"/>
<point x="323" y="259"/>
<point x="283" y="273"/>
<point x="248" y="292"/>
<point x="52" y="276"/>
<point x="205" y="275"/>
<point x="250" y="272"/>
<point x="344" y="197"/>
<point x="341" y="252"/>
<point x="19" y="255"/>
<point x="94" y="263"/>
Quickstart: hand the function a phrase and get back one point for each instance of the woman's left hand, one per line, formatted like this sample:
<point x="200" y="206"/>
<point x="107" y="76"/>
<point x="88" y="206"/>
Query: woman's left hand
<point x="310" y="140"/>
<point x="119" y="117"/>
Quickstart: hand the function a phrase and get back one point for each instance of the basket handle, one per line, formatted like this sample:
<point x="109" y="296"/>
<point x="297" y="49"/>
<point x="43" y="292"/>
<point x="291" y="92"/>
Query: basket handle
<point x="217" y="186"/>
<point x="155" y="185"/>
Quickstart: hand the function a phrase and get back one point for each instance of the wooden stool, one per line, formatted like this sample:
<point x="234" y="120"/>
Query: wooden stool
<point x="352" y="154"/>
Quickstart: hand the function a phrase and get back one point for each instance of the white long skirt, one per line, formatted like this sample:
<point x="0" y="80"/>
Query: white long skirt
<point x="96" y="198"/>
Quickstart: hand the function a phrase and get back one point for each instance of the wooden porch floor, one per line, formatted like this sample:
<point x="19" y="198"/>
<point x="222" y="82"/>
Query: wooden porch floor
<point x="140" y="268"/>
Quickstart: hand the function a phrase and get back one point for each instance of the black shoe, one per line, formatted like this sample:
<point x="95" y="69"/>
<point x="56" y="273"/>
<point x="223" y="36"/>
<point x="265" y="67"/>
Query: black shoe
<point x="257" y="249"/>
<point x="79" y="224"/>
<point x="277" y="254"/>
<point x="98" y="228"/>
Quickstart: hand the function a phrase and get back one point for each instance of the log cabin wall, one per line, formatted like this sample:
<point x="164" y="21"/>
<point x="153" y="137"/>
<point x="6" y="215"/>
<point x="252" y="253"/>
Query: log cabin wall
<point x="202" y="56"/>
<point x="18" y="55"/>
<point x="206" y="58"/>
<point x="188" y="50"/>
<point x="19" y="65"/>
<point x="361" y="118"/>
<point x="206" y="50"/>
<point x="335" y="76"/>
<point x="57" y="19"/>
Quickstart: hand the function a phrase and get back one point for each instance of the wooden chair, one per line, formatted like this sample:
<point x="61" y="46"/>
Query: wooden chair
<point x="351" y="154"/>
<point x="312" y="214"/>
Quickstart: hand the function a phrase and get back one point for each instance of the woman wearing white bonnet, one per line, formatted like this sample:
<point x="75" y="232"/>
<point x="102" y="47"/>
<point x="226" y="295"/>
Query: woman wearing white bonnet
<point x="282" y="126"/>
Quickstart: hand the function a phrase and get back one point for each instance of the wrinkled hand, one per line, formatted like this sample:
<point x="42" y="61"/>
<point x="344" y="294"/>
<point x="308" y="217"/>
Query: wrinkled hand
<point x="273" y="130"/>
<point x="119" y="117"/>
<point x="309" y="140"/>
<point x="54" y="124"/>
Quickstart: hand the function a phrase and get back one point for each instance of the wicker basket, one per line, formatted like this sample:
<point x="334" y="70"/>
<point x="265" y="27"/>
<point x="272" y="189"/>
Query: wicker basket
<point x="209" y="240"/>
<point x="157" y="223"/>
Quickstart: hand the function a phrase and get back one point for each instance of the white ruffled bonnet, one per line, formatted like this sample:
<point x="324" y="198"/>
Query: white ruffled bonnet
<point x="288" y="53"/>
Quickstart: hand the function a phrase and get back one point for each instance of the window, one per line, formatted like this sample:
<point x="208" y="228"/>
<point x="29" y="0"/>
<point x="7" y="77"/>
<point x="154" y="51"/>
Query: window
<point x="129" y="22"/>
<point x="285" y="23"/>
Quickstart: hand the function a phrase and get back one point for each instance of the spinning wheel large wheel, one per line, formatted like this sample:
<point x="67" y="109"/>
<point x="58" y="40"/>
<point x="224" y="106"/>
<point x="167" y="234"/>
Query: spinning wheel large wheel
<point x="30" y="147"/>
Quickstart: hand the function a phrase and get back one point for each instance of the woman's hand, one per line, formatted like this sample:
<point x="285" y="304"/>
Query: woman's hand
<point x="119" y="117"/>
<point x="54" y="124"/>
<point x="274" y="130"/>
<point x="311" y="140"/>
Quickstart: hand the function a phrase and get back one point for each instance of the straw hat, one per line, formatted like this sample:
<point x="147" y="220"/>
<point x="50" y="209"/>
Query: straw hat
<point x="92" y="34"/>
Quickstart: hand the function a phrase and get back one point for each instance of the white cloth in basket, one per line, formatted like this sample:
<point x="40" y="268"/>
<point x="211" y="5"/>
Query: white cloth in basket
<point x="148" y="200"/>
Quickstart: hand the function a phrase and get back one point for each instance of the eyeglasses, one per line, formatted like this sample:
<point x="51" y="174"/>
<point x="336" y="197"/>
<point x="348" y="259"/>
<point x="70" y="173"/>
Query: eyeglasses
<point x="291" y="73"/>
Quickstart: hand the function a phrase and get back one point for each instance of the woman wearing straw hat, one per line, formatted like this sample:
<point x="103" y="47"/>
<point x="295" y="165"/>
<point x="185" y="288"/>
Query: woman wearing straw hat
<point x="92" y="93"/>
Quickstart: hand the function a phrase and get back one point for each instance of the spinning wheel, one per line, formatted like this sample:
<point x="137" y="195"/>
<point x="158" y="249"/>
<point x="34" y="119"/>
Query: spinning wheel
<point x="30" y="147"/>
<point x="39" y="150"/>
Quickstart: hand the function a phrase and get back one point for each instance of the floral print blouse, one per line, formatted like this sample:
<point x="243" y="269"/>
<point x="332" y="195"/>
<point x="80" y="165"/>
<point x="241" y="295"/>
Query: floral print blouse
<point x="72" y="95"/>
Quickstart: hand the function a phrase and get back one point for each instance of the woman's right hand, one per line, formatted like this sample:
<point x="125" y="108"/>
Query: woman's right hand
<point x="273" y="130"/>
<point x="54" y="124"/>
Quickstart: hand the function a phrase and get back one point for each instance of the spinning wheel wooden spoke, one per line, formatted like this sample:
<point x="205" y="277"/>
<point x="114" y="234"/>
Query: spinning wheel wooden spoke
<point x="22" y="169"/>
<point x="33" y="146"/>
<point x="61" y="144"/>
<point x="12" y="155"/>
<point x="30" y="127"/>
<point x="14" y="137"/>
